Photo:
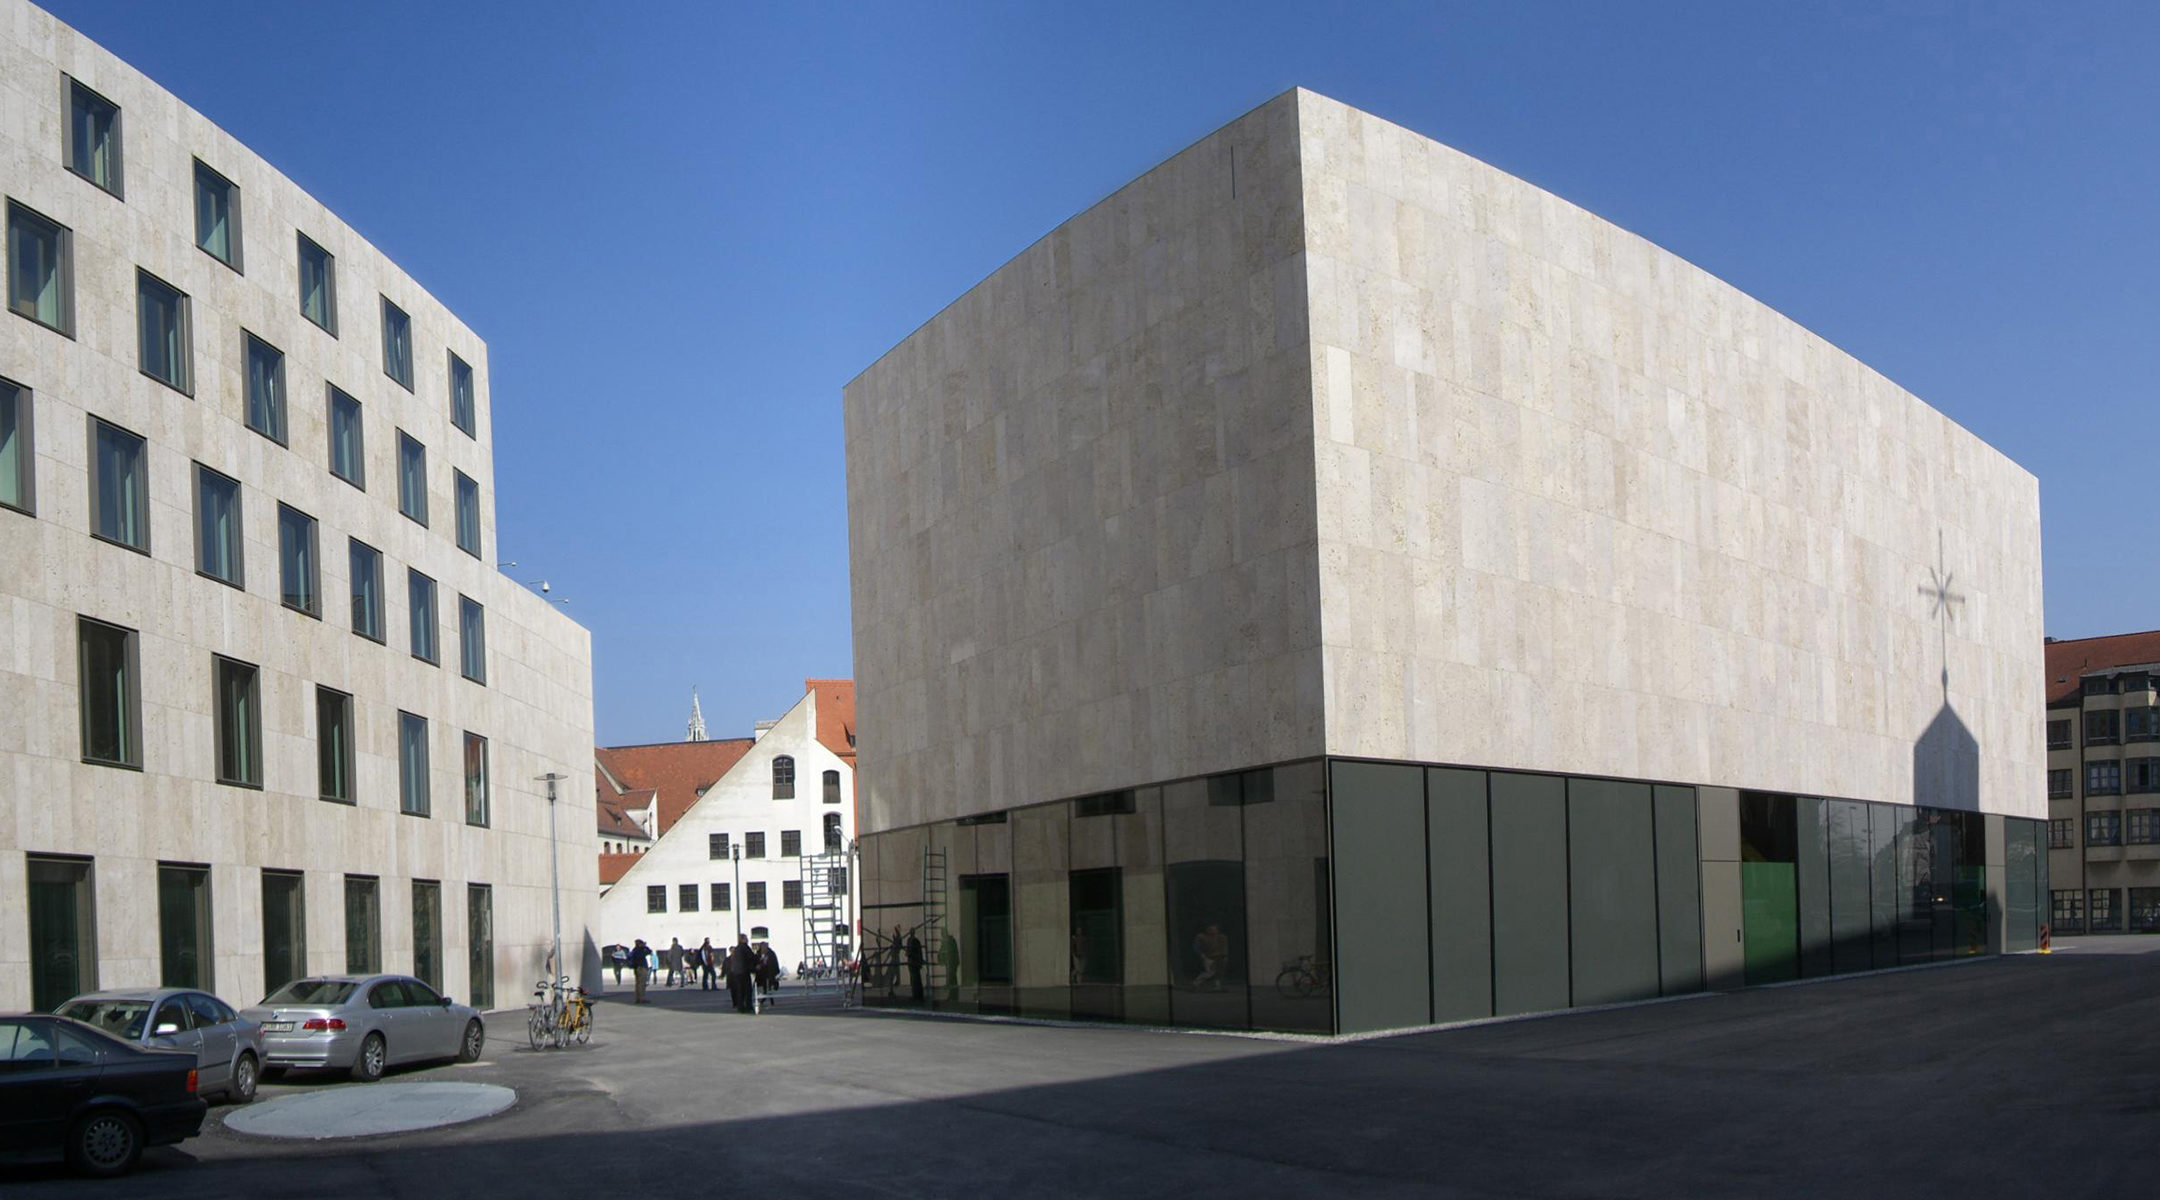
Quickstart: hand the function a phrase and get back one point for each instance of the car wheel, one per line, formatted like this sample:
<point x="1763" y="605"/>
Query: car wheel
<point x="245" y="1075"/>
<point x="475" y="1038"/>
<point x="374" y="1056"/>
<point x="105" y="1143"/>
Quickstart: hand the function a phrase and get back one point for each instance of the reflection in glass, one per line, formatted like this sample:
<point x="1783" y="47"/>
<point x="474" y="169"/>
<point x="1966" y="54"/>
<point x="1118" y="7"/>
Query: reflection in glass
<point x="162" y="316"/>
<point x="63" y="931"/>
<point x="106" y="668"/>
<point x="347" y="460"/>
<point x="217" y="526"/>
<point x="363" y="925"/>
<point x="1287" y="898"/>
<point x="284" y="929"/>
<point x="1769" y="895"/>
<point x="121" y="490"/>
<point x="183" y="926"/>
<point x="480" y="945"/>
<point x="1204" y="902"/>
<point x="427" y="932"/>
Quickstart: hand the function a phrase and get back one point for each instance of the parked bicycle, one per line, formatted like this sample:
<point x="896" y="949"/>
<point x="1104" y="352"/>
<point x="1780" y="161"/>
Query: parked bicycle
<point x="562" y="1015"/>
<point x="1304" y="976"/>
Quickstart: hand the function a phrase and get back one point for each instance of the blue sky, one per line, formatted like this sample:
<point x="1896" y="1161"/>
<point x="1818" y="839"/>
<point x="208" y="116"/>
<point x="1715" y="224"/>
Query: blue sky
<point x="682" y="227"/>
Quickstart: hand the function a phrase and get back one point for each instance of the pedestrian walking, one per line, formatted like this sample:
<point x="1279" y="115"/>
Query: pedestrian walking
<point x="740" y="963"/>
<point x="674" y="962"/>
<point x="706" y="961"/>
<point x="618" y="957"/>
<point x="768" y="971"/>
<point x="640" y="967"/>
<point x="914" y="966"/>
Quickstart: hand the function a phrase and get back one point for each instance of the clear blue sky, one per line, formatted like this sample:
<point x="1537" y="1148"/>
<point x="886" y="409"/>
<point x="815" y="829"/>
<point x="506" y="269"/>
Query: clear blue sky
<point x="682" y="227"/>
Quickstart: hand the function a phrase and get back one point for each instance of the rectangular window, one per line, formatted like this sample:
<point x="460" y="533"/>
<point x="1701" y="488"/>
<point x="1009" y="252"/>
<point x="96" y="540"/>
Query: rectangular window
<point x="2062" y="833"/>
<point x="2144" y="775"/>
<point x="2100" y="685"/>
<point x="184" y="954"/>
<point x="164" y="339"/>
<point x="2144" y="910"/>
<point x="2141" y="724"/>
<point x="420" y="610"/>
<point x="367" y="589"/>
<point x="299" y="574"/>
<point x="461" y="396"/>
<point x="721" y="901"/>
<point x="318" y="285"/>
<point x="217" y="216"/>
<point x="832" y="787"/>
<point x="2103" y="778"/>
<point x="40" y="269"/>
<point x="63" y="930"/>
<point x="716" y="845"/>
<point x="412" y="477"/>
<point x="2102" y="915"/>
<point x="284" y="928"/>
<point x="753" y="845"/>
<point x="396" y="343"/>
<point x="2142" y="827"/>
<point x="119" y="486"/>
<point x="412" y="765"/>
<point x="472" y="640"/>
<point x="686" y="897"/>
<point x="791" y="843"/>
<point x="217" y="526"/>
<point x="363" y="925"/>
<point x="2066" y="911"/>
<point x="92" y="135"/>
<point x="348" y="446"/>
<point x="468" y="514"/>
<point x="2058" y="783"/>
<point x="17" y="459"/>
<point x="265" y="388"/>
<point x="2058" y="734"/>
<point x="111" y="707"/>
<point x="334" y="744"/>
<point x="476" y="780"/>
<point x="656" y="897"/>
<point x="2103" y="829"/>
<point x="754" y="896"/>
<point x="2100" y="728"/>
<point x="427" y="932"/>
<point x="791" y="893"/>
<point x="480" y="945"/>
<point x="239" y="722"/>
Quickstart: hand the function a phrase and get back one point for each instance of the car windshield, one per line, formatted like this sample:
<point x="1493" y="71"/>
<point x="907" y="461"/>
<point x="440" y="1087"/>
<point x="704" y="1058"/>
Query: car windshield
<point x="312" y="991"/>
<point x="121" y="1017"/>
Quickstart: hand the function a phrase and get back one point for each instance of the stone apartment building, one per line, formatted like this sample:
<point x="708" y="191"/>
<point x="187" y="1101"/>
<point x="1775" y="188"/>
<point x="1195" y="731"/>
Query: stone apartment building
<point x="2103" y="783"/>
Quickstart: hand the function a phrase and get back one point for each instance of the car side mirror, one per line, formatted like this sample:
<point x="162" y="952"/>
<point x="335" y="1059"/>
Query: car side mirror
<point x="165" y="1029"/>
<point x="446" y="1001"/>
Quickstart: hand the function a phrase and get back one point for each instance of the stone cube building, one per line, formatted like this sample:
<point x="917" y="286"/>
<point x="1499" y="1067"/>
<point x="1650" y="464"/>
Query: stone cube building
<point x="1332" y="584"/>
<point x="267" y="707"/>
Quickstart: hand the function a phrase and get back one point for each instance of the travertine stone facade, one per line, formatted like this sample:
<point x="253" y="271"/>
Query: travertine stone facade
<point x="535" y="706"/>
<point x="1324" y="438"/>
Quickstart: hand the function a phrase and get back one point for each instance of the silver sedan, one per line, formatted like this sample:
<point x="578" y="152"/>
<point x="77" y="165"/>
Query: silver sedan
<point x="364" y="1024"/>
<point x="228" y="1048"/>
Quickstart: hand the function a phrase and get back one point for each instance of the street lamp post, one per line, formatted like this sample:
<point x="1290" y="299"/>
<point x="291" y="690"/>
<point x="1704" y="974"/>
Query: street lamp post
<point x="735" y="852"/>
<point x="554" y="881"/>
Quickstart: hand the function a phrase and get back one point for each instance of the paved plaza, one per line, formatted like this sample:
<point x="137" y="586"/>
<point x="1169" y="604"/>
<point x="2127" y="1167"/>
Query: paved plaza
<point x="2018" y="1076"/>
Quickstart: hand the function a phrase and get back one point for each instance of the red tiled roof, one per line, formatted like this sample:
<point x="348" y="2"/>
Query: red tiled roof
<point x="2071" y="658"/>
<point x="677" y="771"/>
<point x="614" y="866"/>
<point x="615" y="821"/>
<point x="835" y="715"/>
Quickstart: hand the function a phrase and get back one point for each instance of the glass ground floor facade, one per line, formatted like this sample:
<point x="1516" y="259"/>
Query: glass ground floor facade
<point x="1330" y="896"/>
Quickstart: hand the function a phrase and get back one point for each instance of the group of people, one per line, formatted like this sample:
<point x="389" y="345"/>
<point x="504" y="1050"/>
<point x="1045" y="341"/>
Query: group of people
<point x="746" y="970"/>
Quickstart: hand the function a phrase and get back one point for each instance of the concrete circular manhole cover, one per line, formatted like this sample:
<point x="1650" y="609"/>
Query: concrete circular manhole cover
<point x="362" y="1110"/>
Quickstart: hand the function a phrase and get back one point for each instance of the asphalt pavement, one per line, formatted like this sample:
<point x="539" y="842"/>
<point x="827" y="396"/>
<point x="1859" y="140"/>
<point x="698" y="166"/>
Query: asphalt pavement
<point x="2021" y="1076"/>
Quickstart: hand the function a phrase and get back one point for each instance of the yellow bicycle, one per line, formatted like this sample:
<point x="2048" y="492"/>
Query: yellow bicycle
<point x="563" y="1014"/>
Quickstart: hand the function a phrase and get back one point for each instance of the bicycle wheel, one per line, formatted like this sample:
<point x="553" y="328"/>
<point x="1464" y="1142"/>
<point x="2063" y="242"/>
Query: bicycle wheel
<point x="584" y="1025"/>
<point x="1286" y="984"/>
<point x="535" y="1027"/>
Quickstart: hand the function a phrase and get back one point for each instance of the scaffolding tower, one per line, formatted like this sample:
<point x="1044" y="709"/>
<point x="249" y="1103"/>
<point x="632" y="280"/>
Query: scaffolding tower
<point x="933" y="920"/>
<point x="824" y="912"/>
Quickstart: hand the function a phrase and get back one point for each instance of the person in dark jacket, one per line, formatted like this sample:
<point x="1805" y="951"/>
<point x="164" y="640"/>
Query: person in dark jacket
<point x="741" y="962"/>
<point x="709" y="959"/>
<point x="914" y="966"/>
<point x="640" y="967"/>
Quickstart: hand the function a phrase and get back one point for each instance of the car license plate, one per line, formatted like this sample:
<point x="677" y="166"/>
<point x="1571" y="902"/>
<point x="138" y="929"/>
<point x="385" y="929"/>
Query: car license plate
<point x="277" y="1026"/>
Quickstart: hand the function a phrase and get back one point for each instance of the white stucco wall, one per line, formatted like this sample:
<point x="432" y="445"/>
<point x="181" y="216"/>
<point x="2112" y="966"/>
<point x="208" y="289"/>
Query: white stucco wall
<point x="536" y="705"/>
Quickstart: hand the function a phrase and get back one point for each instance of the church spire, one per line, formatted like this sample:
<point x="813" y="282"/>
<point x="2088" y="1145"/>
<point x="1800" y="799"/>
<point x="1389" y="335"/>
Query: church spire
<point x="697" y="719"/>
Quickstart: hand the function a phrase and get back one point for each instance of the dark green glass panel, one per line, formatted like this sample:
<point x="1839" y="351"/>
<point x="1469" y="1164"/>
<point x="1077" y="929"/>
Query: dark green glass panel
<point x="1679" y="884"/>
<point x="1458" y="862"/>
<point x="1381" y="906"/>
<point x="1770" y="908"/>
<point x="1612" y="892"/>
<point x="1529" y="893"/>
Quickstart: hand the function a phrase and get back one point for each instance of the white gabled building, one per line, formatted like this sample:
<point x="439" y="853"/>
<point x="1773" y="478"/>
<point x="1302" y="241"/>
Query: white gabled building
<point x="728" y="851"/>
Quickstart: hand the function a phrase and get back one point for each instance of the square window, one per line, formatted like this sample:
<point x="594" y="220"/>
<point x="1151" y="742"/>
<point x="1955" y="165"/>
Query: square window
<point x="791" y="893"/>
<point x="2062" y="833"/>
<point x="18" y="461"/>
<point x="166" y="344"/>
<point x="217" y="216"/>
<point x="412" y="765"/>
<point x="40" y="269"/>
<point x="367" y="589"/>
<point x="92" y="134"/>
<point x="476" y="779"/>
<point x="2101" y="912"/>
<point x="462" y="410"/>
<point x="716" y="845"/>
<point x="754" y="896"/>
<point x="791" y="843"/>
<point x="2058" y="734"/>
<point x="2103" y="778"/>
<point x="265" y="388"/>
<point x="721" y="901"/>
<point x="686" y="897"/>
<point x="119" y="486"/>
<point x="2103" y="829"/>
<point x="2141" y="724"/>
<point x="396" y="343"/>
<point x="218" y="541"/>
<point x="420" y="609"/>
<point x="108" y="675"/>
<point x="299" y="577"/>
<point x="2059" y="783"/>
<point x="318" y="285"/>
<point x="334" y="744"/>
<point x="2100" y="728"/>
<point x="472" y="640"/>
<point x="2067" y="911"/>
<point x="412" y="477"/>
<point x="348" y="446"/>
<point x="468" y="514"/>
<point x="753" y="845"/>
<point x="656" y="897"/>
<point x="2144" y="774"/>
<point x="2142" y="827"/>
<point x="239" y="722"/>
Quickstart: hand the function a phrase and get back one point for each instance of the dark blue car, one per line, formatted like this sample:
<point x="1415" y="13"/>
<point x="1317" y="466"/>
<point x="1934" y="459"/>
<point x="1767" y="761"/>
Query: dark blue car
<point x="71" y="1091"/>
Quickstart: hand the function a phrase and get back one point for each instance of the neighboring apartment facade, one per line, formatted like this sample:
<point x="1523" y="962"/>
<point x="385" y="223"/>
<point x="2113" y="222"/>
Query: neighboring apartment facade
<point x="2103" y="784"/>
<point x="1332" y="584"/>
<point x="266" y="706"/>
<point x="735" y="847"/>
